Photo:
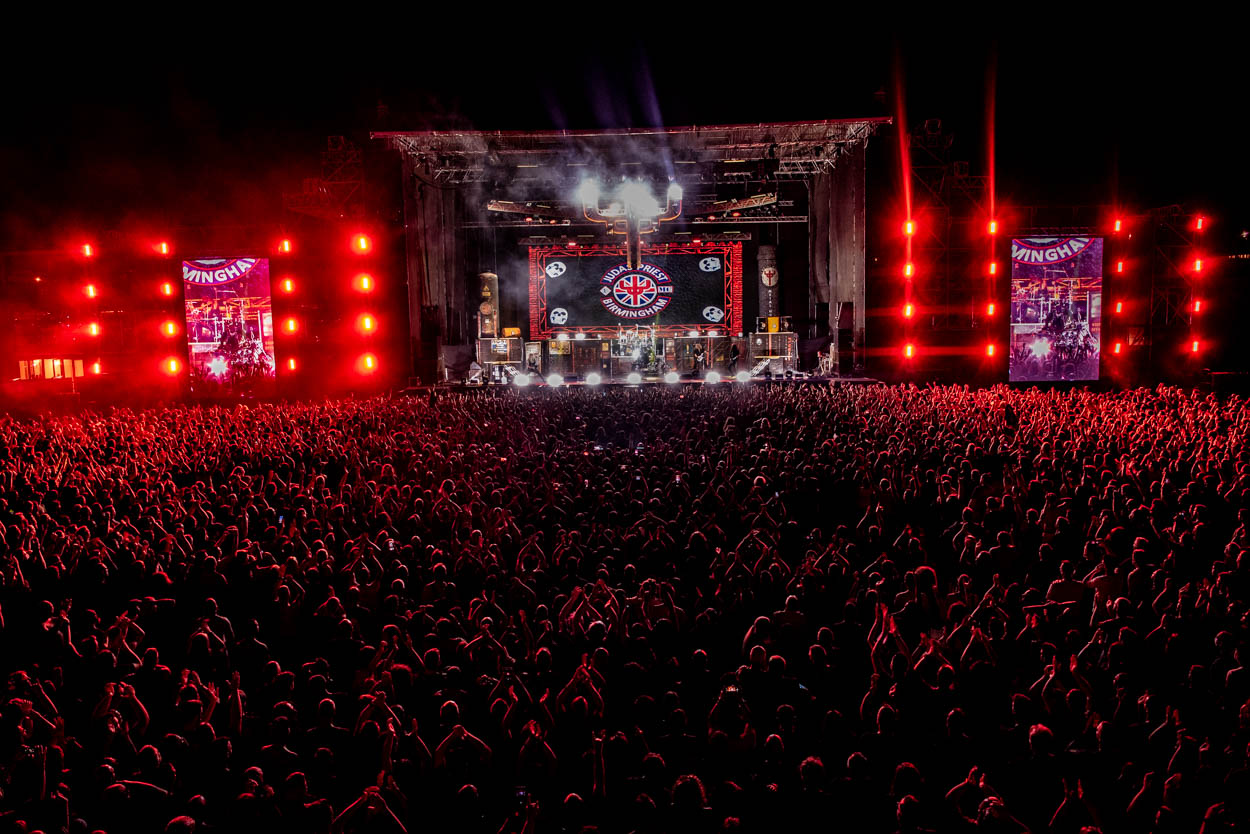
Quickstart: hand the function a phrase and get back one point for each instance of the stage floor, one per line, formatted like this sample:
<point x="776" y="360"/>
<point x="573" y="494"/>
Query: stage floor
<point x="538" y="382"/>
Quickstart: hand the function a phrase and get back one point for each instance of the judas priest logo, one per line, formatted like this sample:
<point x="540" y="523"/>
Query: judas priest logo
<point x="213" y="271"/>
<point x="635" y="293"/>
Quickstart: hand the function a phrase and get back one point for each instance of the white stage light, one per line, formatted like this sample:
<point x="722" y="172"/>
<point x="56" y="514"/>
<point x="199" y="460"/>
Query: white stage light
<point x="562" y="337"/>
<point x="713" y="333"/>
<point x="555" y="380"/>
<point x="638" y="199"/>
<point x="743" y="376"/>
<point x="693" y="334"/>
<point x="634" y="378"/>
<point x="580" y="336"/>
<point x="712" y="377"/>
<point x="674" y="192"/>
<point x="521" y="380"/>
<point x="671" y="376"/>
<point x="593" y="379"/>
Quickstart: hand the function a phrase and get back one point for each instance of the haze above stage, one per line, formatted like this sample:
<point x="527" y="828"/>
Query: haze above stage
<point x="452" y="178"/>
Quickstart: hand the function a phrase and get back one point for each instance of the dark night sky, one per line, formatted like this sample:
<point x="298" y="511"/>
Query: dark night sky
<point x="199" y="124"/>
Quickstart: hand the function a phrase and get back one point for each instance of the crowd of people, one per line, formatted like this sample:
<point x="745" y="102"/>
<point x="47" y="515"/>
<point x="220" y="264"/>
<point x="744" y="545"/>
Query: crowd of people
<point x="666" y="609"/>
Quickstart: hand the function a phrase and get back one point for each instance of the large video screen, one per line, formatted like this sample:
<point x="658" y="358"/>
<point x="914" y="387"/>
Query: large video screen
<point x="1056" y="309"/>
<point x="229" y="322"/>
<point x="677" y="288"/>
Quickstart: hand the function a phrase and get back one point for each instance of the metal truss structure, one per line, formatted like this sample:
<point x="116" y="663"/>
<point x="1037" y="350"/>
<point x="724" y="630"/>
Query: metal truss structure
<point x="725" y="153"/>
<point x="339" y="189"/>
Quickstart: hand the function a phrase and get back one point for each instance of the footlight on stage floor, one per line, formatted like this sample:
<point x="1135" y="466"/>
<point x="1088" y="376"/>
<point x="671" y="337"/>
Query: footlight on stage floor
<point x="593" y="379"/>
<point x="521" y="380"/>
<point x="712" y="377"/>
<point x="672" y="376"/>
<point x="555" y="380"/>
<point x="743" y="376"/>
<point x="634" y="378"/>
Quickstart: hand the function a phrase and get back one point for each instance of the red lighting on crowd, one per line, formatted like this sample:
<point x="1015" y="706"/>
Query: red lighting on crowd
<point x="291" y="325"/>
<point x="909" y="228"/>
<point x="908" y="311"/>
<point x="366" y="323"/>
<point x="989" y="350"/>
<point x="167" y="288"/>
<point x="909" y="269"/>
<point x="169" y="328"/>
<point x="364" y="282"/>
<point x="909" y="350"/>
<point x="993" y="227"/>
<point x="1118" y="348"/>
<point x="362" y="244"/>
<point x="1193" y="347"/>
<point x="88" y="250"/>
<point x="90" y="290"/>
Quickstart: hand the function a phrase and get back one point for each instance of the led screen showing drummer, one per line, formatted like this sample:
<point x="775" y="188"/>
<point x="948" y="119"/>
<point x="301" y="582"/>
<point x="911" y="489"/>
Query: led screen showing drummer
<point x="1056" y="308"/>
<point x="229" y="315"/>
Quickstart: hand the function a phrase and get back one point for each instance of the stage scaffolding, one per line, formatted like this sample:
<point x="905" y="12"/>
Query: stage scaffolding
<point x="450" y="179"/>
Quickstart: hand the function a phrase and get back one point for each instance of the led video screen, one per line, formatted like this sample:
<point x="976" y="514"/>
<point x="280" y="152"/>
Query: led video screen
<point x="677" y="288"/>
<point x="229" y="322"/>
<point x="1056" y="309"/>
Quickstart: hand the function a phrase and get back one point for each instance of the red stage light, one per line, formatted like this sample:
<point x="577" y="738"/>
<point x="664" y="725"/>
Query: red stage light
<point x="1117" y="225"/>
<point x="93" y="329"/>
<point x="909" y="269"/>
<point x="362" y="244"/>
<point x="167" y="288"/>
<point x="1197" y="306"/>
<point x="163" y="248"/>
<point x="364" y="282"/>
<point x="90" y="290"/>
<point x="1193" y="348"/>
<point x="909" y="350"/>
<point x="291" y="325"/>
<point x="908" y="311"/>
<point x="909" y="228"/>
<point x="993" y="227"/>
<point x="366" y="323"/>
<point x="993" y="267"/>
<point x="367" y="363"/>
<point x="169" y="328"/>
<point x="95" y="367"/>
<point x="1119" y="266"/>
<point x="696" y="241"/>
<point x="989" y="350"/>
<point x="1119" y="306"/>
<point x="1198" y="265"/>
<point x="172" y="366"/>
<point x="290" y="364"/>
<point x="285" y="245"/>
<point x="990" y="309"/>
<point x="88" y="250"/>
<point x="1198" y="223"/>
<point x="1118" y="348"/>
<point x="288" y="285"/>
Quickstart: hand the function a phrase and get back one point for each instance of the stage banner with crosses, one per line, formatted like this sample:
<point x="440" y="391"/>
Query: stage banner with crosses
<point x="678" y="287"/>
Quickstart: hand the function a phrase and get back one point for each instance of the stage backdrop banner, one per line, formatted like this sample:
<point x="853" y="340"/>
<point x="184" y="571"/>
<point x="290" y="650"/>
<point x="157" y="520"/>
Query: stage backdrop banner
<point x="1056" y="308"/>
<point x="679" y="287"/>
<point x="229" y="322"/>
